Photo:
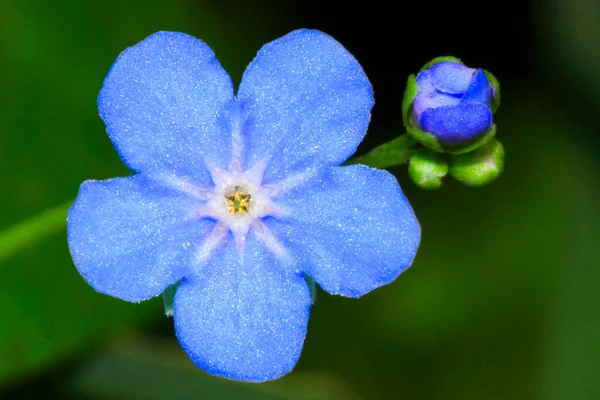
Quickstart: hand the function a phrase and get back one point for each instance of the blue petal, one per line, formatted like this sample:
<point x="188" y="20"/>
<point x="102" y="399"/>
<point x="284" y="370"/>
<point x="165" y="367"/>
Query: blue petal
<point x="457" y="124"/>
<point x="479" y="91"/>
<point x="352" y="230"/>
<point x="243" y="317"/>
<point x="166" y="104"/>
<point x="307" y="102"/>
<point x="429" y="97"/>
<point x="424" y="82"/>
<point x="130" y="237"/>
<point x="451" y="77"/>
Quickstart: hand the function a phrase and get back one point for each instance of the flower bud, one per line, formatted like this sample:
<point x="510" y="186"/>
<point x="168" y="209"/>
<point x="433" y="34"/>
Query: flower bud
<point x="448" y="106"/>
<point x="427" y="168"/>
<point x="479" y="167"/>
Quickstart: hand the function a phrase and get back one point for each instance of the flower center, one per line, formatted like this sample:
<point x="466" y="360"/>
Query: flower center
<point x="238" y="201"/>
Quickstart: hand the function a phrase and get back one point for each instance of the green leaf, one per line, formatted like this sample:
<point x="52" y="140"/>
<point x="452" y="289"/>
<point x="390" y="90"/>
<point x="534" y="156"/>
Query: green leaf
<point x="30" y="231"/>
<point x="160" y="370"/>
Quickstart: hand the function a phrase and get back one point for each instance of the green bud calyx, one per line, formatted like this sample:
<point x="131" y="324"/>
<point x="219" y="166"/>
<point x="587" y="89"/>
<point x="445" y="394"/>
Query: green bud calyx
<point x="427" y="168"/>
<point x="480" y="166"/>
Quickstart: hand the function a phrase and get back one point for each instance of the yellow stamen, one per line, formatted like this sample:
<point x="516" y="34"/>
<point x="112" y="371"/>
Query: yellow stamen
<point x="238" y="202"/>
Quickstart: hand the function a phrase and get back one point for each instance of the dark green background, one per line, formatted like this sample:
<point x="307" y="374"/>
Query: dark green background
<point x="502" y="301"/>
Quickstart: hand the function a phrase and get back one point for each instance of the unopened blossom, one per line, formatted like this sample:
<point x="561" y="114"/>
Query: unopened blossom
<point x="453" y="102"/>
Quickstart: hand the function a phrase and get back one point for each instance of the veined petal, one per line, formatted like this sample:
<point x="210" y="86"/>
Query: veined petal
<point x="168" y="104"/>
<point x="244" y="317"/>
<point x="131" y="238"/>
<point x="306" y="101"/>
<point x="457" y="124"/>
<point x="351" y="230"/>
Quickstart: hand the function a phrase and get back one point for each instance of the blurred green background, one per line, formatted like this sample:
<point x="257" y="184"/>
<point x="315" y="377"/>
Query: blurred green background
<point x="503" y="299"/>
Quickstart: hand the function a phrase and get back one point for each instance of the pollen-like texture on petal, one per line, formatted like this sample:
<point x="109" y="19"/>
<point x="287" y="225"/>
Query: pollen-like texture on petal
<point x="457" y="124"/>
<point x="429" y="98"/>
<point x="131" y="238"/>
<point x="351" y="229"/>
<point x="479" y="90"/>
<point x="451" y="77"/>
<point x="240" y="198"/>
<point x="167" y="105"/>
<point x="245" y="318"/>
<point x="306" y="101"/>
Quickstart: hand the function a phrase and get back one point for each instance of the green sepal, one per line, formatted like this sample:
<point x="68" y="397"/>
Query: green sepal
<point x="430" y="141"/>
<point x="496" y="85"/>
<point x="427" y="168"/>
<point x="439" y="60"/>
<point x="395" y="152"/>
<point x="426" y="139"/>
<point x="479" y="167"/>
<point x="409" y="96"/>
<point x="312" y="287"/>
<point x="169" y="298"/>
<point x="475" y="143"/>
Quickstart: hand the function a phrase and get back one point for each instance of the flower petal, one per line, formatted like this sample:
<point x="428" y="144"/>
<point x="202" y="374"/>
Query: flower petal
<point x="130" y="238"/>
<point x="429" y="97"/>
<point x="243" y="317"/>
<point x="352" y="230"/>
<point x="451" y="77"/>
<point x="479" y="91"/>
<point x="457" y="124"/>
<point x="306" y="101"/>
<point x="166" y="103"/>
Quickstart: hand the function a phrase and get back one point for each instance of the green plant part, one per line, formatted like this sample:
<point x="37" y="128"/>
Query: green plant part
<point x="427" y="168"/>
<point x="479" y="167"/>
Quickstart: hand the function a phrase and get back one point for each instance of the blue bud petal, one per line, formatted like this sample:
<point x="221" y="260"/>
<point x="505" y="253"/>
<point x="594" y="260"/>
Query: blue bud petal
<point x="479" y="91"/>
<point x="424" y="82"/>
<point x="449" y="77"/>
<point x="428" y="97"/>
<point x="457" y="124"/>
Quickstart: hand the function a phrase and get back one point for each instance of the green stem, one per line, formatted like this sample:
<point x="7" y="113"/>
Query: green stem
<point x="390" y="154"/>
<point x="29" y="231"/>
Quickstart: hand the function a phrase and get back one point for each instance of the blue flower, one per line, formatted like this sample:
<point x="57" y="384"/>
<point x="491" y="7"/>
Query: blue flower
<point x="453" y="102"/>
<point x="240" y="197"/>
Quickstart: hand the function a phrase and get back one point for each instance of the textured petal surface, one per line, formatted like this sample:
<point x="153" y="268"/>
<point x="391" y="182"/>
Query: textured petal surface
<point x="306" y="101"/>
<point x="130" y="238"/>
<point x="457" y="124"/>
<point x="479" y="91"/>
<point x="449" y="77"/>
<point x="429" y="97"/>
<point x="167" y="105"/>
<point x="352" y="229"/>
<point x="243" y="318"/>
